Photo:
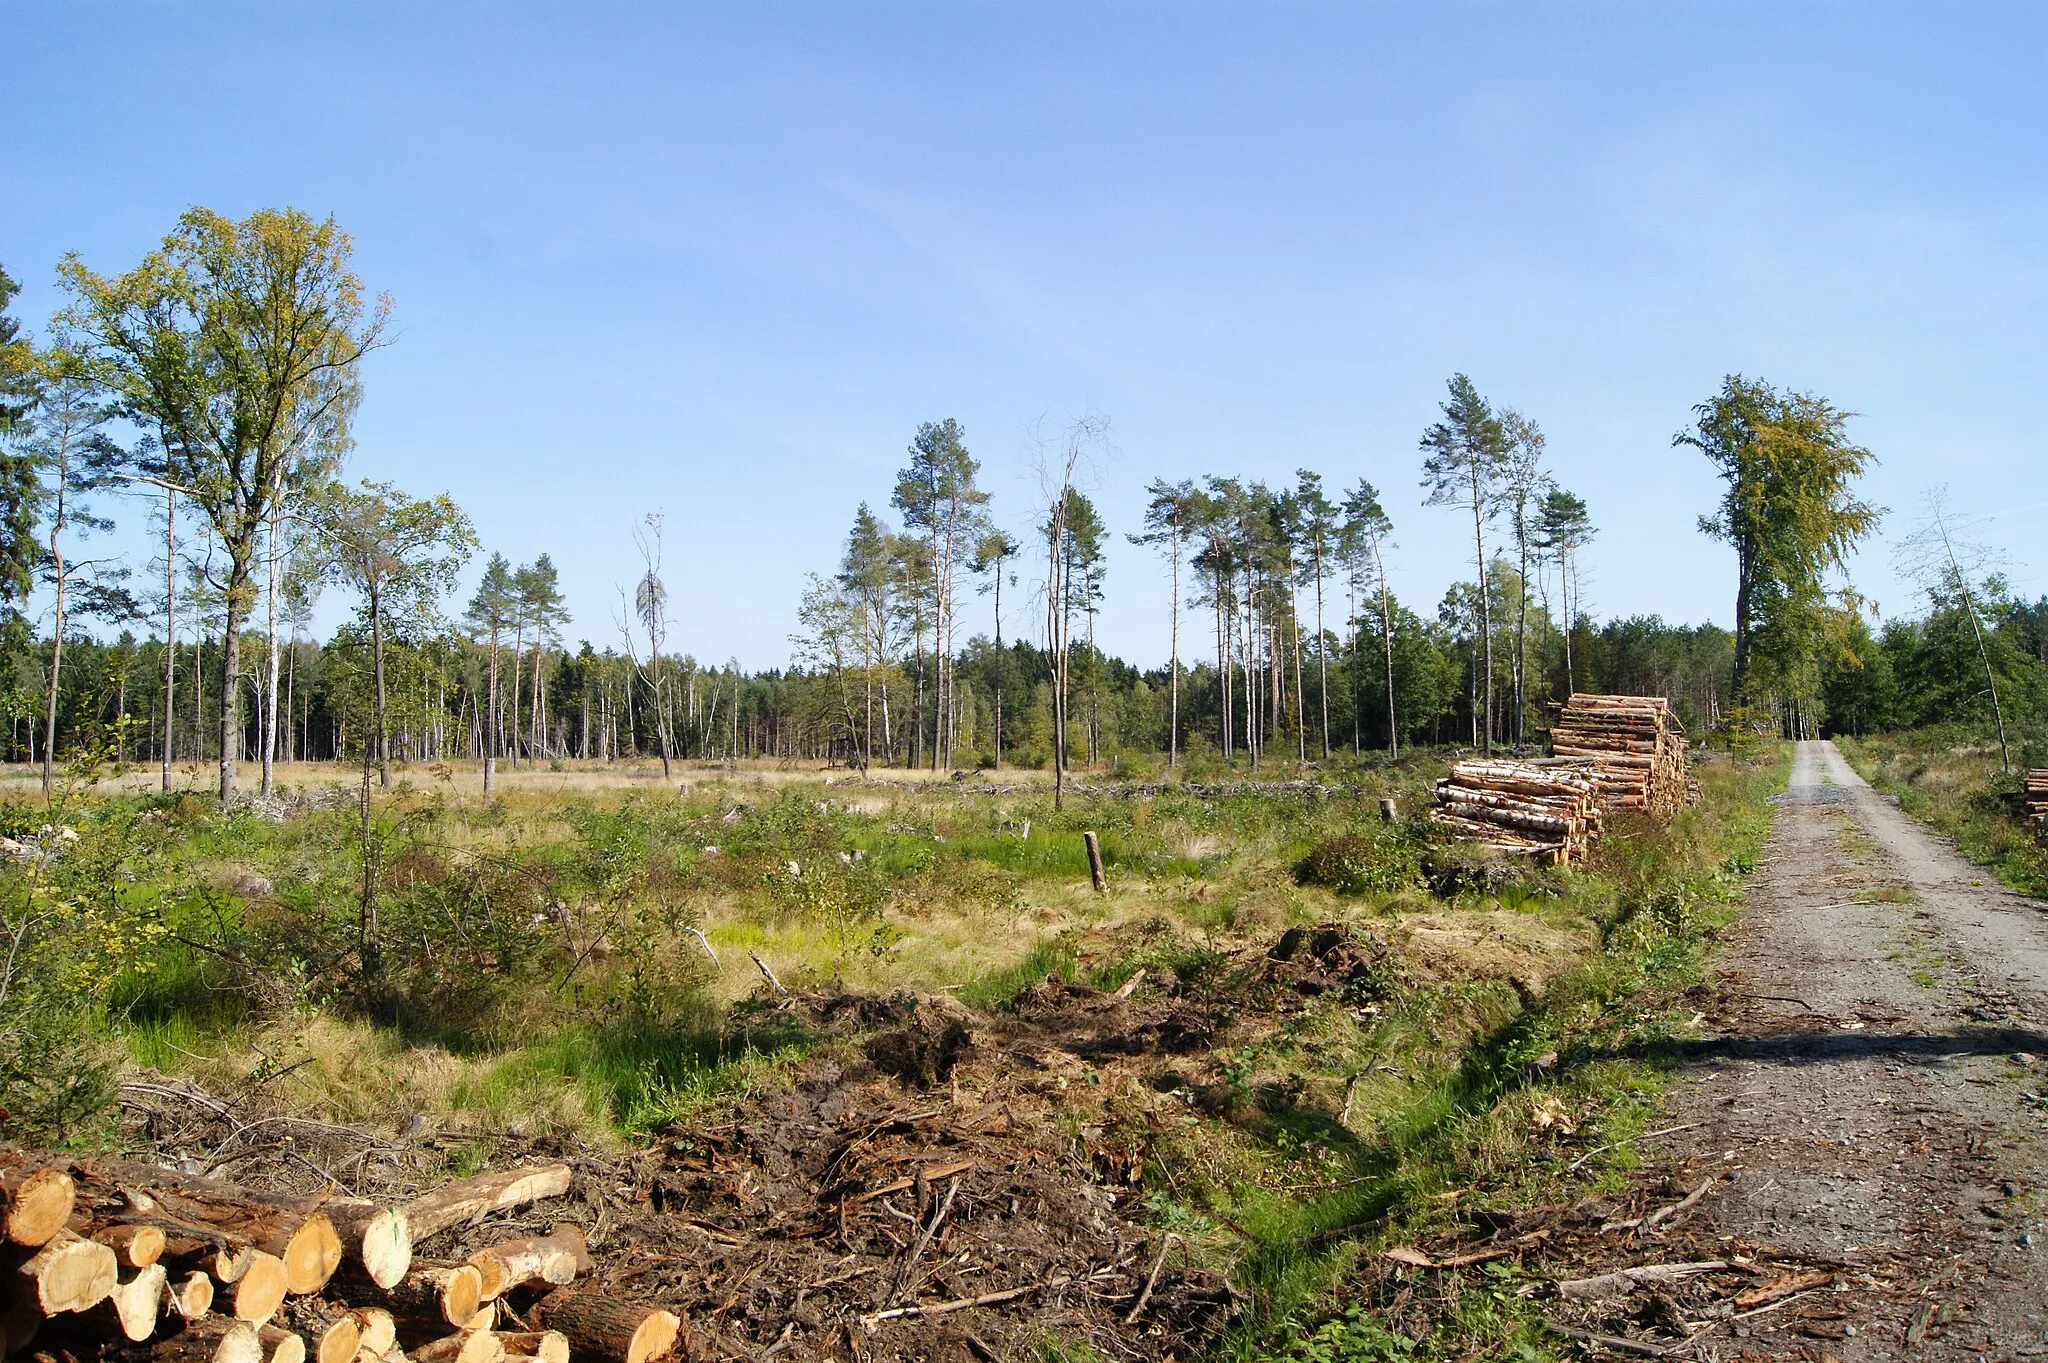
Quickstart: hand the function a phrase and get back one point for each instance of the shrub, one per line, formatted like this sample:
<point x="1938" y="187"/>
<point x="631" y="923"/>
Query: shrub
<point x="1378" y="862"/>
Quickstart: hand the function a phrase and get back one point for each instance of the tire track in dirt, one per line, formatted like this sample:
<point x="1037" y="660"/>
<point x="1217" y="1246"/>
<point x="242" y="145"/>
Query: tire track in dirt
<point x="1868" y="1085"/>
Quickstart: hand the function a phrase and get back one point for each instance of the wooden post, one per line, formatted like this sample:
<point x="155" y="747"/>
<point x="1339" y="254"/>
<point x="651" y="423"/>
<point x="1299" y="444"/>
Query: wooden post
<point x="1095" y="862"/>
<point x="1390" y="810"/>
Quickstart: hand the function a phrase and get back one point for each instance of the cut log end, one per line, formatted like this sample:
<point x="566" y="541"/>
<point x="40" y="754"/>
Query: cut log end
<point x="386" y="1247"/>
<point x="38" y="1205"/>
<point x="139" y="1302"/>
<point x="136" y="1246"/>
<point x="543" y="1346"/>
<point x="193" y="1298"/>
<point x="467" y="1346"/>
<point x="340" y="1341"/>
<point x="71" y="1273"/>
<point x="604" y="1327"/>
<point x="261" y="1289"/>
<point x="378" y="1330"/>
<point x="311" y="1255"/>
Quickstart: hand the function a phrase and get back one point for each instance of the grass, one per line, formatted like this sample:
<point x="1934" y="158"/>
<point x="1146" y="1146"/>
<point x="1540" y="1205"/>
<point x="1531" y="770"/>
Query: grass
<point x="1951" y="780"/>
<point x="538" y="970"/>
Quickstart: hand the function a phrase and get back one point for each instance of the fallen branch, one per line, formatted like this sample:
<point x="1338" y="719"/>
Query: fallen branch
<point x="1573" y="1167"/>
<point x="1151" y="1279"/>
<point x="961" y="1303"/>
<point x="931" y="1172"/>
<point x="924" y="1237"/>
<point x="1627" y="1280"/>
<point x="769" y="975"/>
<point x="1663" y="1214"/>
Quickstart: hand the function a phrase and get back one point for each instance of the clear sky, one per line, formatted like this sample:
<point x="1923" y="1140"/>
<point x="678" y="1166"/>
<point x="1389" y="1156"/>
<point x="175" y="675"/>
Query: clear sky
<point x="721" y="261"/>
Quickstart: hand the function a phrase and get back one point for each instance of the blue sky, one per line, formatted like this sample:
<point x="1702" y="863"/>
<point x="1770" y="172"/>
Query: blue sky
<point x="721" y="261"/>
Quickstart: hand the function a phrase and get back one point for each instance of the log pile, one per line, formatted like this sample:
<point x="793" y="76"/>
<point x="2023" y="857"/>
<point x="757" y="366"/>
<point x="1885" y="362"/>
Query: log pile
<point x="1631" y="747"/>
<point x="1517" y="808"/>
<point x="107" y="1256"/>
<point x="2034" y="801"/>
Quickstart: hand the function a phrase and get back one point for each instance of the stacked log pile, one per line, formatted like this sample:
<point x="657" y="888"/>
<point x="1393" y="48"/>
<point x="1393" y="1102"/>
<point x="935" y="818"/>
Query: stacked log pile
<point x="2034" y="801"/>
<point x="1631" y="747"/>
<point x="106" y="1256"/>
<point x="1520" y="809"/>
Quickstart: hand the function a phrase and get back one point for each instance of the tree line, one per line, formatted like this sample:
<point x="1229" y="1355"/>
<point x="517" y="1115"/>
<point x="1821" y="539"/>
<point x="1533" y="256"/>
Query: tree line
<point x="215" y="384"/>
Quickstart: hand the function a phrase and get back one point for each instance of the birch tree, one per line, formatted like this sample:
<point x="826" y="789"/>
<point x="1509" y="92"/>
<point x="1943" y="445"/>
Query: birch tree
<point x="399" y="553"/>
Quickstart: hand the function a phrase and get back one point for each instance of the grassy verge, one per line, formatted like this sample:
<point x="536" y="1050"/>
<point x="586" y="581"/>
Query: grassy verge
<point x="1952" y="782"/>
<point x="1468" y="1098"/>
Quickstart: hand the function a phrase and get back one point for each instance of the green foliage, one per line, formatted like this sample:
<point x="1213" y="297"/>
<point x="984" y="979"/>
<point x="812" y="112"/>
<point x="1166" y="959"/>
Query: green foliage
<point x="72" y="920"/>
<point x="1376" y="859"/>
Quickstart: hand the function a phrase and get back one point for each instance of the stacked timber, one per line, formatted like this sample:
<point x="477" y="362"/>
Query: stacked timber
<point x="1632" y="748"/>
<point x="101" y="1254"/>
<point x="2034" y="801"/>
<point x="1547" y="813"/>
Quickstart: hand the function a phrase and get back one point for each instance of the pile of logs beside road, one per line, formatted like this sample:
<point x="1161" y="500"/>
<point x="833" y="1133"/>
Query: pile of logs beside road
<point x="1632" y="748"/>
<point x="106" y="1257"/>
<point x="1547" y="813"/>
<point x="2034" y="801"/>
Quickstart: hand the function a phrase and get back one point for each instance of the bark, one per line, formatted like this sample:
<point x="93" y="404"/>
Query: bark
<point x="454" y="1203"/>
<point x="605" y="1327"/>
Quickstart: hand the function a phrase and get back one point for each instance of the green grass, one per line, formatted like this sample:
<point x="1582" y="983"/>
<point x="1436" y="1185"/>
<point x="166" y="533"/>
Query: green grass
<point x="1951" y="781"/>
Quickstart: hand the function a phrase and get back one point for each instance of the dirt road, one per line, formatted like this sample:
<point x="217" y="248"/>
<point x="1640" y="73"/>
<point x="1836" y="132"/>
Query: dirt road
<point x="1869" y="1085"/>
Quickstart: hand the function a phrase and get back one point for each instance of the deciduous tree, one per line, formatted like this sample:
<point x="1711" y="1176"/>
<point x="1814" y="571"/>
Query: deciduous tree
<point x="1790" y="512"/>
<point x="240" y="342"/>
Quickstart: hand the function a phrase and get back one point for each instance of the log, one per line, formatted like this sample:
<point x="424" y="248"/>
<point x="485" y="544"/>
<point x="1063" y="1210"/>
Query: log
<point x="458" y="1291"/>
<point x="296" y="1233"/>
<point x="281" y="1346"/>
<point x="261" y="1288"/>
<point x="217" y="1339"/>
<point x="135" y="1245"/>
<point x="554" y="1258"/>
<point x="339" y="1342"/>
<point x="139" y="1303"/>
<point x="454" y="1203"/>
<point x="543" y="1346"/>
<point x="376" y="1329"/>
<point x="190" y="1299"/>
<point x="467" y="1346"/>
<point x="71" y="1273"/>
<point x="604" y="1327"/>
<point x="379" y="1238"/>
<point x="37" y="1204"/>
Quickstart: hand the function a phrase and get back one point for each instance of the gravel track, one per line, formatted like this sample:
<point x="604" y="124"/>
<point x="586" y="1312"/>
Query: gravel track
<point x="1869" y="1085"/>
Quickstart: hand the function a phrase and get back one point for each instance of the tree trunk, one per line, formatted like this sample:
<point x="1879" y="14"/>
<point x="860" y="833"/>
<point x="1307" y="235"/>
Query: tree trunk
<point x="230" y="676"/>
<point x="383" y="722"/>
<point x="1485" y="605"/>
